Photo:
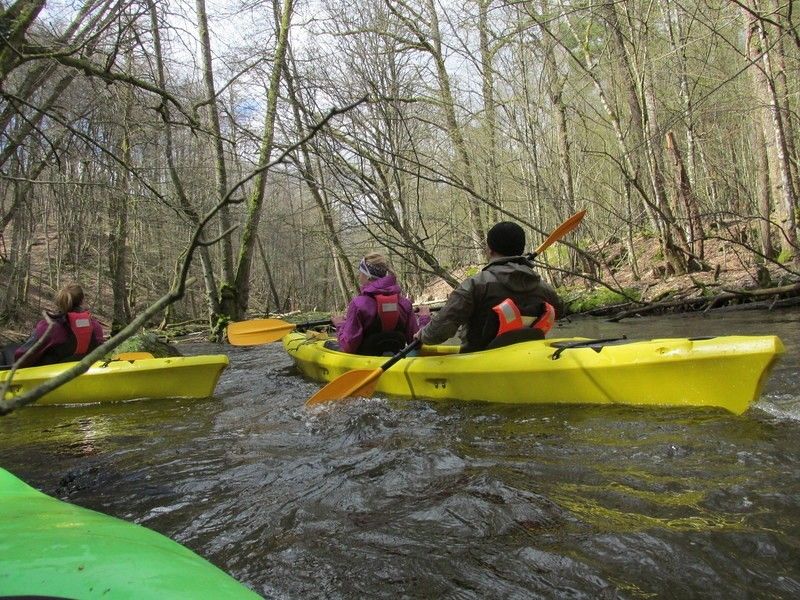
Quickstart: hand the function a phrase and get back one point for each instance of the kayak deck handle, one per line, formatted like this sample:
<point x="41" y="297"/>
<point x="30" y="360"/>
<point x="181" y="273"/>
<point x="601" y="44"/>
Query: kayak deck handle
<point x="596" y="345"/>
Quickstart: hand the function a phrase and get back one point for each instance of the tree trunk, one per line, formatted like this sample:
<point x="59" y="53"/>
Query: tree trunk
<point x="14" y="23"/>
<point x="762" y="192"/>
<point x="241" y="288"/>
<point x="186" y="205"/>
<point x="759" y="53"/>
<point x="491" y="167"/>
<point x="270" y="282"/>
<point x="118" y="260"/>
<point x="431" y="41"/>
<point x="306" y="168"/>
<point x="784" y="95"/>
<point x="679" y="43"/>
<point x="685" y="192"/>
<point x="220" y="172"/>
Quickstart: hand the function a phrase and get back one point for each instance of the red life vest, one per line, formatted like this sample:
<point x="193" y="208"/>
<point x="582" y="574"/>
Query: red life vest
<point x="388" y="311"/>
<point x="510" y="318"/>
<point x="81" y="325"/>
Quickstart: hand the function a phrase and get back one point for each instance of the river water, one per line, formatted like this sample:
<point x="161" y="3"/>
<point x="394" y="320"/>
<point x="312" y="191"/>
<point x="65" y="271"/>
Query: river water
<point x="398" y="499"/>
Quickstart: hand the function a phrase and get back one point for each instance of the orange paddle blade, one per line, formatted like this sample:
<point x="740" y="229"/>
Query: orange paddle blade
<point x="361" y="382"/>
<point x="561" y="231"/>
<point x="133" y="356"/>
<point x="258" y="331"/>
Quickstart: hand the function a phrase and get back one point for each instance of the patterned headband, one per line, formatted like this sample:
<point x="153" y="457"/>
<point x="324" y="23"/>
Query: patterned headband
<point x="371" y="271"/>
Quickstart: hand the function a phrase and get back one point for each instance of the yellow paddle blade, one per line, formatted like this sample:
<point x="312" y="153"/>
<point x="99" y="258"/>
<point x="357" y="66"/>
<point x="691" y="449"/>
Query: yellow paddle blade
<point x="361" y="382"/>
<point x="257" y="331"/>
<point x="133" y="356"/>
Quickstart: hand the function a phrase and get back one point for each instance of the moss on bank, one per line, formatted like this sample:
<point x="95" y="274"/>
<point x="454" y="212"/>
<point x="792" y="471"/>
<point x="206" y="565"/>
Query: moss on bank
<point x="147" y="341"/>
<point x="579" y="301"/>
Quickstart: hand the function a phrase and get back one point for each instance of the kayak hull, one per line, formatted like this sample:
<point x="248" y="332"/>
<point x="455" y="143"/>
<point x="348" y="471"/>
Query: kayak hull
<point x="119" y="380"/>
<point x="55" y="549"/>
<point x="726" y="372"/>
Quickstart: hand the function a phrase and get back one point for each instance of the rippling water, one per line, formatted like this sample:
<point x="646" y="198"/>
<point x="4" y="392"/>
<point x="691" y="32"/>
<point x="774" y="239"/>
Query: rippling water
<point x="388" y="498"/>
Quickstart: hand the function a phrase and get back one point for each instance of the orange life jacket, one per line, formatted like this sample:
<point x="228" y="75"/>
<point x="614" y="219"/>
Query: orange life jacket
<point x="510" y="318"/>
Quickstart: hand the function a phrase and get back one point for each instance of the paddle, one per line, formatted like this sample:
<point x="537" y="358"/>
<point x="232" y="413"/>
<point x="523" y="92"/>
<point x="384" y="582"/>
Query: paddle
<point x="559" y="232"/>
<point x="362" y="382"/>
<point x="265" y="331"/>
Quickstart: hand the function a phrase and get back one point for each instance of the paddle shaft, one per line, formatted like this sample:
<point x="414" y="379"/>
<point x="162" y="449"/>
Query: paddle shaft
<point x="402" y="354"/>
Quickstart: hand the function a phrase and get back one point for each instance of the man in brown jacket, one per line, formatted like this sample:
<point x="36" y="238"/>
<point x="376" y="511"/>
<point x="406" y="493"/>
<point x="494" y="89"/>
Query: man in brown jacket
<point x="480" y="304"/>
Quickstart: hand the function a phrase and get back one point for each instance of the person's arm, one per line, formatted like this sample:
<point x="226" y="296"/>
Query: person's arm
<point x="454" y="313"/>
<point x="350" y="333"/>
<point x="97" y="332"/>
<point x="39" y="331"/>
<point x="553" y="298"/>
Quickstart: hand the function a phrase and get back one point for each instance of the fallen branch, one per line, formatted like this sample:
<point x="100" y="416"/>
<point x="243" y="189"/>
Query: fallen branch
<point x="707" y="303"/>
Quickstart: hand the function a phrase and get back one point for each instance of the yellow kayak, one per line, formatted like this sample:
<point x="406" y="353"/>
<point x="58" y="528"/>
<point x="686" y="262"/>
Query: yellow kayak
<point x="726" y="372"/>
<point x="116" y="380"/>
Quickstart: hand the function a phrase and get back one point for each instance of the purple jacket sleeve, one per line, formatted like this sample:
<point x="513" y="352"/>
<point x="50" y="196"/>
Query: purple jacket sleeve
<point x="38" y="332"/>
<point x="350" y="332"/>
<point x="97" y="332"/>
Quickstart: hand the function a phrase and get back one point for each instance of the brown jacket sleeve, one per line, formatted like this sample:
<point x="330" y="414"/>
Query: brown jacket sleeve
<point x="453" y="314"/>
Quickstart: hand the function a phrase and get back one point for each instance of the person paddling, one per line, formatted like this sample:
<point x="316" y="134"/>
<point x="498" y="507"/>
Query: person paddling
<point x="73" y="334"/>
<point x="380" y="319"/>
<point x="504" y="303"/>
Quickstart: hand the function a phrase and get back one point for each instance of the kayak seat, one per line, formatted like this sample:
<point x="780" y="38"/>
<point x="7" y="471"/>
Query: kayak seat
<point x="384" y="343"/>
<point x="526" y="334"/>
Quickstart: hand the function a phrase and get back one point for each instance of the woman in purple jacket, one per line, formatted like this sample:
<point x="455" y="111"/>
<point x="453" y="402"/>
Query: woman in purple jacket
<point x="69" y="335"/>
<point x="379" y="320"/>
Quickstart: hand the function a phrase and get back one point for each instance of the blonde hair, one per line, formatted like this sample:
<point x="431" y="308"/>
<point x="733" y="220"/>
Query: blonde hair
<point x="69" y="298"/>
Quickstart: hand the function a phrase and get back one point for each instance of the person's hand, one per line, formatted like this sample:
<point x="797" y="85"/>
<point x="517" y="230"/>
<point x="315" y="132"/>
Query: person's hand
<point x="337" y="319"/>
<point x="423" y="316"/>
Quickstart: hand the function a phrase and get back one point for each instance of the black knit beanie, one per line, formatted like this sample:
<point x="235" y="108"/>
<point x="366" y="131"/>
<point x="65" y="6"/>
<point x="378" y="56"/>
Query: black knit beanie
<point x="506" y="238"/>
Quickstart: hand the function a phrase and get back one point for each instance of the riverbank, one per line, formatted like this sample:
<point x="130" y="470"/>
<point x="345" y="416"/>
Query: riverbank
<point x="607" y="284"/>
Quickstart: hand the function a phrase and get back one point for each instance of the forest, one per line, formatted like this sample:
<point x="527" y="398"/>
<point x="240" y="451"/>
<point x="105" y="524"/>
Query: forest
<point x="209" y="161"/>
